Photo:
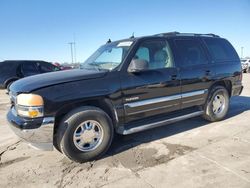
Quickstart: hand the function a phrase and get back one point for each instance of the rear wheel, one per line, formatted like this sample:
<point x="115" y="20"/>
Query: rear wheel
<point x="217" y="105"/>
<point x="85" y="134"/>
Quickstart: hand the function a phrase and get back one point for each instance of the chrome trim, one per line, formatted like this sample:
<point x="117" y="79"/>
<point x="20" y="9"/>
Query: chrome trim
<point x="152" y="101"/>
<point x="116" y="115"/>
<point x="164" y="99"/>
<point x="151" y="109"/>
<point x="40" y="138"/>
<point x="194" y="93"/>
<point x="88" y="136"/>
<point x="194" y="100"/>
<point x="160" y="123"/>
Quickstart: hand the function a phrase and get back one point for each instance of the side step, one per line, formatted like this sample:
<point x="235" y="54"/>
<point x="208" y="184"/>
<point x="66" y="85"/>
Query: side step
<point x="144" y="127"/>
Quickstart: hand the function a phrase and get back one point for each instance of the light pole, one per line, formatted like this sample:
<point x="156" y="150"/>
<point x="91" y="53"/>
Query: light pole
<point x="71" y="49"/>
<point x="242" y="48"/>
<point x="75" y="52"/>
<point x="75" y="49"/>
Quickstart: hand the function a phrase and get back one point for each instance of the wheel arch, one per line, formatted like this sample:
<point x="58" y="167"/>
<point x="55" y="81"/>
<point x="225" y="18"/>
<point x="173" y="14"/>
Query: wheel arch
<point x="12" y="79"/>
<point x="225" y="83"/>
<point x="104" y="104"/>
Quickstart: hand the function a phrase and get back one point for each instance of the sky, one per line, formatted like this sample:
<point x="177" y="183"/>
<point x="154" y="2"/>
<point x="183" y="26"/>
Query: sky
<point x="42" y="29"/>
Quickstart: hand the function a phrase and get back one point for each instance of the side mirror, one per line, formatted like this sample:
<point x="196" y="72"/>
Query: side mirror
<point x="138" y="65"/>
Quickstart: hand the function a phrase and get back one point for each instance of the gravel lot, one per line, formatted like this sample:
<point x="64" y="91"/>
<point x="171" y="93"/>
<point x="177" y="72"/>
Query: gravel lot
<point x="192" y="153"/>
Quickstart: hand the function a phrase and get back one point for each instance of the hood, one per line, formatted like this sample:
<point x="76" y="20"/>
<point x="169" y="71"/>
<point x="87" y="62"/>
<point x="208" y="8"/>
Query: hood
<point x="31" y="83"/>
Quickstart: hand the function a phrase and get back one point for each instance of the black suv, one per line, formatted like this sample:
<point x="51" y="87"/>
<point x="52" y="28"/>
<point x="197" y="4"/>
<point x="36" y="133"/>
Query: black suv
<point x="11" y="71"/>
<point x="125" y="87"/>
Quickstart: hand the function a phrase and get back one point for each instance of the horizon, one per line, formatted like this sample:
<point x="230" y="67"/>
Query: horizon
<point x="41" y="30"/>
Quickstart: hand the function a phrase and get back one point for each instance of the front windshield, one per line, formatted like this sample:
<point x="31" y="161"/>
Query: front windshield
<point x="108" y="57"/>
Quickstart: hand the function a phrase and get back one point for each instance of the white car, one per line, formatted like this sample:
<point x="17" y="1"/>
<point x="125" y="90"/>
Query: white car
<point x="245" y="64"/>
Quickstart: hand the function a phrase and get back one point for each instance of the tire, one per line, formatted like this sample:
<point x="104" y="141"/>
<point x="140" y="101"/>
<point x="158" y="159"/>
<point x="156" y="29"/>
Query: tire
<point x="56" y="142"/>
<point x="213" y="109"/>
<point x="72" y="125"/>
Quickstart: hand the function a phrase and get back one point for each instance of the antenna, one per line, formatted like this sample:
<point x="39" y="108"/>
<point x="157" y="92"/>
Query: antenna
<point x="133" y="35"/>
<point x="109" y="41"/>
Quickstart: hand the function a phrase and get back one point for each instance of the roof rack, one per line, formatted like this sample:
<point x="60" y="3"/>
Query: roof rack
<point x="175" y="33"/>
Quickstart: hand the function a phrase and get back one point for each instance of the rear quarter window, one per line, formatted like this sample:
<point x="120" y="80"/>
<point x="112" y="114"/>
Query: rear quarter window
<point x="221" y="50"/>
<point x="7" y="67"/>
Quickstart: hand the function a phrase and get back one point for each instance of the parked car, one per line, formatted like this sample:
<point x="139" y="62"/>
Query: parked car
<point x="245" y="64"/>
<point x="125" y="87"/>
<point x="62" y="67"/>
<point x="11" y="71"/>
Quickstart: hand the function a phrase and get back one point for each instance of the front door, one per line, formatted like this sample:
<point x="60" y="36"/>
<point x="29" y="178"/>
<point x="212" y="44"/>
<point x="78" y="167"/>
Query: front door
<point x="155" y="90"/>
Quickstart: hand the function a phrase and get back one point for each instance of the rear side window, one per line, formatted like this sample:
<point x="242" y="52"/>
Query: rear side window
<point x="6" y="66"/>
<point x="191" y="52"/>
<point x="29" y="69"/>
<point x="221" y="50"/>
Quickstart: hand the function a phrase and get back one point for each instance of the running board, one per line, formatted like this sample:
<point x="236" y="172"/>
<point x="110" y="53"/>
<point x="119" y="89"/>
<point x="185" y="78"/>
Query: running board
<point x="159" y="123"/>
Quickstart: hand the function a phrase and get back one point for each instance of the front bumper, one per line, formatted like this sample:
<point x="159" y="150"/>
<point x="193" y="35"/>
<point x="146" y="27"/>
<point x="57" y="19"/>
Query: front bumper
<point x="40" y="137"/>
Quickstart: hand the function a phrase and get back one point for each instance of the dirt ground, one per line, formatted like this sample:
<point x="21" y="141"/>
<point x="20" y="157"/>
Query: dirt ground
<point x="192" y="153"/>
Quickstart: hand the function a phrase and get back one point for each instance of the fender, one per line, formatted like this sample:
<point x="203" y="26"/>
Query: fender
<point x="101" y="102"/>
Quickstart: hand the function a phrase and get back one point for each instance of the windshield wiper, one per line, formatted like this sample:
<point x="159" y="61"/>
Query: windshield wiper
<point x="97" y="66"/>
<point x="94" y="66"/>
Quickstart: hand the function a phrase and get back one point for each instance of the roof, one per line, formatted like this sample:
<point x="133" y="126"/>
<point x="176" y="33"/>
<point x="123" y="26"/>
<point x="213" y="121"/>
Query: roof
<point x="23" y="61"/>
<point x="171" y="34"/>
<point x="187" y="34"/>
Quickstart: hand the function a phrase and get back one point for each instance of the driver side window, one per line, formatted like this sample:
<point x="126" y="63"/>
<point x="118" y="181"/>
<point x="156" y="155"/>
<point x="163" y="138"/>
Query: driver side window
<point x="155" y="54"/>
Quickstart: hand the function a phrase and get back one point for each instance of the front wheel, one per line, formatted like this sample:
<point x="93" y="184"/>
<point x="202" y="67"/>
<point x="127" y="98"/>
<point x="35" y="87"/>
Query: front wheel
<point x="217" y="104"/>
<point x="85" y="134"/>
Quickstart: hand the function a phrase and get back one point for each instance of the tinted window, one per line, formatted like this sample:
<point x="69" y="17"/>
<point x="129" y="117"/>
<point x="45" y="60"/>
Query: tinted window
<point x="191" y="52"/>
<point x="7" y="66"/>
<point x="29" y="69"/>
<point x="46" y="67"/>
<point x="142" y="53"/>
<point x="156" y="53"/>
<point x="221" y="49"/>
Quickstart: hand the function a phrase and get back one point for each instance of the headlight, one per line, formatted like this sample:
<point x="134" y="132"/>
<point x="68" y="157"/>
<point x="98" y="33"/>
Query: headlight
<point x="29" y="105"/>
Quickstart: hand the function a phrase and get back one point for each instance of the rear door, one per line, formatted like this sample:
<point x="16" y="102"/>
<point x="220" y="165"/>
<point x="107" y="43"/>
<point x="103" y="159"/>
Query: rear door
<point x="195" y="70"/>
<point x="155" y="90"/>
